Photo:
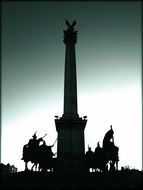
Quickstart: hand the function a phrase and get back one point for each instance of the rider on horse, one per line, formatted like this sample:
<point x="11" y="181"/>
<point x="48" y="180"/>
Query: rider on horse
<point x="107" y="143"/>
<point x="111" y="151"/>
<point x="103" y="156"/>
<point x="30" y="149"/>
<point x="46" y="157"/>
<point x="45" y="148"/>
<point x="34" y="143"/>
<point x="38" y="153"/>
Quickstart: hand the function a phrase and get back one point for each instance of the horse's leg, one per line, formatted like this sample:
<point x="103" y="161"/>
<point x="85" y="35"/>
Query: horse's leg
<point x="116" y="165"/>
<point x="33" y="166"/>
<point x="36" y="166"/>
<point x="26" y="165"/>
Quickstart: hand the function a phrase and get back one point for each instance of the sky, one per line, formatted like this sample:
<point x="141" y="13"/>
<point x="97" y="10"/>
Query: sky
<point x="108" y="58"/>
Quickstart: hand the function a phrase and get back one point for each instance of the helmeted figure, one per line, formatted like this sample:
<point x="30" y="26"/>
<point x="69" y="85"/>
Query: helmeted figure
<point x="34" y="143"/>
<point x="89" y="153"/>
<point x="98" y="153"/>
<point x="97" y="149"/>
<point x="89" y="156"/>
<point x="32" y="147"/>
<point x="46" y="157"/>
<point x="99" y="158"/>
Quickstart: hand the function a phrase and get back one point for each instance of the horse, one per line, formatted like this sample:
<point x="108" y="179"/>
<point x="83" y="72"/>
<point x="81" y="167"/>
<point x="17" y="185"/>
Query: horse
<point x="46" y="158"/>
<point x="112" y="156"/>
<point x="100" y="159"/>
<point x="89" y="159"/>
<point x="95" y="160"/>
<point x="41" y="156"/>
<point x="30" y="155"/>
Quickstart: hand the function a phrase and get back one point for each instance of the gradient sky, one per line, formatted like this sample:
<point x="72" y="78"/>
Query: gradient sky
<point x="108" y="56"/>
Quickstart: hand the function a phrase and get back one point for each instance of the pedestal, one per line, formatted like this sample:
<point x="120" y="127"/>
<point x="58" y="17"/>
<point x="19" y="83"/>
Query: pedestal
<point x="71" y="148"/>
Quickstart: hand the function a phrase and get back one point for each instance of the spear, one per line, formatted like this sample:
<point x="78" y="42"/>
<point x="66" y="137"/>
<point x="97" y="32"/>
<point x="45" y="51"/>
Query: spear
<point x="55" y="141"/>
<point x="43" y="136"/>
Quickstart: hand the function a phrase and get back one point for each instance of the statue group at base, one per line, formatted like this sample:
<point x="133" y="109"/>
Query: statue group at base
<point x="105" y="158"/>
<point x="40" y="155"/>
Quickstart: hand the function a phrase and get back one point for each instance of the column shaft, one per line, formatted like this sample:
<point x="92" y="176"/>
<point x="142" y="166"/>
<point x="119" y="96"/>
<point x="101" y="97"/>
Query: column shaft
<point x="70" y="83"/>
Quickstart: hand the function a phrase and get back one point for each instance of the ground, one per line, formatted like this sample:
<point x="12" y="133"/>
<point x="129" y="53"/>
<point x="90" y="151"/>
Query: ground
<point x="131" y="179"/>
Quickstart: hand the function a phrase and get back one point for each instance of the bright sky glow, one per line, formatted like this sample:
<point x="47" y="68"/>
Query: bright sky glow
<point x="119" y="108"/>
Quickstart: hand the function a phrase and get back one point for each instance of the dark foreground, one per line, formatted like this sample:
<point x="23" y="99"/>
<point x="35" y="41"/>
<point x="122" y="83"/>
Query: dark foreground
<point x="35" y="180"/>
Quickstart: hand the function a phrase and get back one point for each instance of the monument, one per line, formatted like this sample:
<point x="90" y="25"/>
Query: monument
<point x="70" y="127"/>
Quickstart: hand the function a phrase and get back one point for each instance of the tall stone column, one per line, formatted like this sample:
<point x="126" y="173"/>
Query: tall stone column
<point x="70" y="127"/>
<point x="70" y="83"/>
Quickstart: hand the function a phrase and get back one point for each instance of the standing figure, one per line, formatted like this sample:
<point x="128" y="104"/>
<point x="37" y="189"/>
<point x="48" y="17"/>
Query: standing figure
<point x="99" y="158"/>
<point x="89" y="158"/>
<point x="97" y="149"/>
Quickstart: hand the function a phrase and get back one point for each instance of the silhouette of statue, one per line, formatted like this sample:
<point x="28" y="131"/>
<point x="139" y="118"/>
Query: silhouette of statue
<point x="34" y="143"/>
<point x="99" y="158"/>
<point x="89" y="158"/>
<point x="71" y="26"/>
<point x="110" y="150"/>
<point x="31" y="151"/>
<point x="46" y="157"/>
<point x="108" y="141"/>
<point x="97" y="149"/>
<point x="102" y="156"/>
<point x="70" y="34"/>
<point x="112" y="167"/>
<point x="38" y="154"/>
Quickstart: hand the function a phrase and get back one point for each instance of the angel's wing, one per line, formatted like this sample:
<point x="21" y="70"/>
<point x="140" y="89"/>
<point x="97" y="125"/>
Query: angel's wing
<point x="74" y="23"/>
<point x="67" y="23"/>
